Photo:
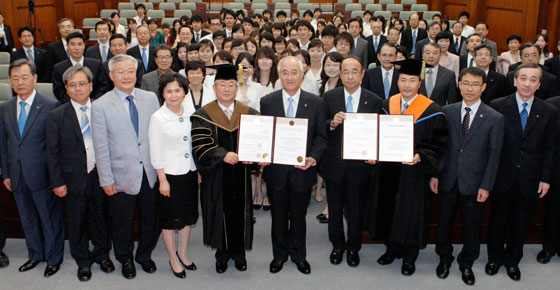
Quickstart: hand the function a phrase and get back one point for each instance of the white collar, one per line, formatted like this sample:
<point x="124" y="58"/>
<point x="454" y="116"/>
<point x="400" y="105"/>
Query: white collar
<point x="29" y="99"/>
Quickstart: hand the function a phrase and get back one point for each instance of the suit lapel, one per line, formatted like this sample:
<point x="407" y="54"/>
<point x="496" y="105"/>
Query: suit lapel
<point x="302" y="106"/>
<point x="280" y="104"/>
<point x="364" y="100"/>
<point x="118" y="104"/>
<point x="534" y="116"/>
<point x="36" y="107"/>
<point x="514" y="110"/>
<point x="70" y="116"/>
<point x="13" y="117"/>
<point x="479" y="117"/>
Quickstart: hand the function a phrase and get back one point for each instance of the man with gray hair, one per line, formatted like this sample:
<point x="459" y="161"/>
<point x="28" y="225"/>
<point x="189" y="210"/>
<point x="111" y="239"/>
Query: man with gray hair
<point x="289" y="186"/>
<point x="439" y="82"/>
<point x="73" y="174"/>
<point x="120" y="121"/>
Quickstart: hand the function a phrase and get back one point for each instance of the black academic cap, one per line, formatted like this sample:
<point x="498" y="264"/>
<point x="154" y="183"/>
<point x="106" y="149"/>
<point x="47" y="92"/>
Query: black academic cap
<point x="411" y="67"/>
<point x="225" y="71"/>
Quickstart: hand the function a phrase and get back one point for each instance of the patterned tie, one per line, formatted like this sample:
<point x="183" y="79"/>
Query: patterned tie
<point x="290" y="113"/>
<point x="145" y="58"/>
<point x="471" y="62"/>
<point x="413" y="41"/>
<point x="133" y="113"/>
<point x="457" y="44"/>
<point x="386" y="85"/>
<point x="229" y="113"/>
<point x="30" y="55"/>
<point x="429" y="82"/>
<point x="196" y="37"/>
<point x="349" y="106"/>
<point x="88" y="140"/>
<point x="22" y="118"/>
<point x="405" y="106"/>
<point x="466" y="122"/>
<point x="523" y="116"/>
<point x="103" y="53"/>
<point x="376" y="43"/>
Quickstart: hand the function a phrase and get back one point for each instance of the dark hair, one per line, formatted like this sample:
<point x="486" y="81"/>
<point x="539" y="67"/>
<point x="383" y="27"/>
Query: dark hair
<point x="238" y="42"/>
<point x="436" y="15"/>
<point x="346" y="36"/>
<point x="139" y="5"/>
<point x="169" y="78"/>
<point x="75" y="34"/>
<point x="177" y="63"/>
<point x="266" y="35"/>
<point x="444" y="20"/>
<point x="281" y="27"/>
<point x="129" y="32"/>
<point x="443" y="35"/>
<point x="425" y="22"/>
<point x="237" y="27"/>
<point x="464" y="13"/>
<point x="479" y="47"/>
<point x="293" y="41"/>
<point x="279" y="39"/>
<point x="382" y="19"/>
<point x="239" y="13"/>
<point x="305" y="23"/>
<point x="197" y="18"/>
<point x="192" y="47"/>
<point x="115" y="13"/>
<point x="473" y="71"/>
<point x="456" y="23"/>
<point x="333" y="56"/>
<point x="315" y="43"/>
<point x="305" y="56"/>
<point x="527" y="65"/>
<point x="354" y="58"/>
<point x="26" y="28"/>
<point x="226" y="40"/>
<point x="195" y="65"/>
<point x="528" y="45"/>
<point x="474" y="34"/>
<point x="219" y="33"/>
<point x="329" y="30"/>
<point x="22" y="62"/>
<point x="152" y="21"/>
<point x="186" y="26"/>
<point x="355" y="20"/>
<point x="101" y="22"/>
<point x="117" y="36"/>
<point x="267" y="11"/>
<point x="389" y="45"/>
<point x="223" y="55"/>
<point x="513" y="37"/>
<point x="545" y="50"/>
<point x="163" y="47"/>
<point x="229" y="12"/>
<point x="266" y="52"/>
<point x="403" y="51"/>
<point x="308" y="12"/>
<point x="434" y="24"/>
<point x="281" y="12"/>
<point x="483" y="23"/>
<point x="205" y="42"/>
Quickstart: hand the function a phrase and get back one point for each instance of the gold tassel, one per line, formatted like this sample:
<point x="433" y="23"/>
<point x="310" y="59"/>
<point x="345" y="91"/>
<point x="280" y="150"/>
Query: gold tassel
<point x="240" y="74"/>
<point x="423" y="72"/>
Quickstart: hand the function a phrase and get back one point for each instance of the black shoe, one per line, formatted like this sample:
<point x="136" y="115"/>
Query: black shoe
<point x="320" y="216"/>
<point x="276" y="266"/>
<point x="385" y="259"/>
<point x="148" y="266"/>
<point x="492" y="268"/>
<point x="4" y="260"/>
<point x="221" y="267"/>
<point x="514" y="273"/>
<point x="128" y="270"/>
<point x="336" y="256"/>
<point x="468" y="276"/>
<point x="51" y="270"/>
<point x="266" y="207"/>
<point x="303" y="267"/>
<point x="442" y="270"/>
<point x="324" y="220"/>
<point x="106" y="266"/>
<point x="30" y="264"/>
<point x="84" y="274"/>
<point x="190" y="267"/>
<point x="544" y="257"/>
<point x="241" y="265"/>
<point x="352" y="258"/>
<point x="408" y="269"/>
<point x="181" y="274"/>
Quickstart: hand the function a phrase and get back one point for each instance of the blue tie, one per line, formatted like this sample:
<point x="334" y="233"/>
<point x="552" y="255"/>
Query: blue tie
<point x="349" y="107"/>
<point x="86" y="131"/>
<point x="375" y="44"/>
<point x="523" y="116"/>
<point x="290" y="113"/>
<point x="413" y="41"/>
<point x="133" y="113"/>
<point x="386" y="85"/>
<point x="22" y="118"/>
<point x="145" y="58"/>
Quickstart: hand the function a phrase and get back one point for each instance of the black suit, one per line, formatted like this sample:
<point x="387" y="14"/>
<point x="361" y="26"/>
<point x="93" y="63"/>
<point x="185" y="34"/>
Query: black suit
<point x="93" y="52"/>
<point x="527" y="158"/>
<point x="202" y="34"/>
<point x="139" y="74"/>
<point x="372" y="53"/>
<point x="553" y="66"/>
<point x="289" y="187"/>
<point x="445" y="88"/>
<point x="55" y="54"/>
<point x="420" y="48"/>
<point x="67" y="159"/>
<point x="40" y="57"/>
<point x="135" y="52"/>
<point x="549" y="85"/>
<point x="99" y="79"/>
<point x="513" y="67"/>
<point x="346" y="181"/>
<point x="10" y="39"/>
<point x="373" y="81"/>
<point x="406" y="38"/>
<point x="462" y="42"/>
<point x="495" y="86"/>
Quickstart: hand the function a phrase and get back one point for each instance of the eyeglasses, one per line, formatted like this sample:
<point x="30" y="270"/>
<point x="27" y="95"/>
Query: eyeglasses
<point x="343" y="44"/>
<point x="223" y="85"/>
<point x="483" y="54"/>
<point x="23" y="78"/>
<point x="123" y="72"/>
<point x="163" y="57"/>
<point x="80" y="85"/>
<point x="351" y="73"/>
<point x="471" y="85"/>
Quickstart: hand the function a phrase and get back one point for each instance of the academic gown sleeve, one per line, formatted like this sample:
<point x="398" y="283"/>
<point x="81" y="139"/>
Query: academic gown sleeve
<point x="432" y="145"/>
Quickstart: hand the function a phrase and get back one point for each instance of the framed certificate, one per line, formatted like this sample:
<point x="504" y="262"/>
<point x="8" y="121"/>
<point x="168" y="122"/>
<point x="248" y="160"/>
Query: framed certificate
<point x="359" y="137"/>
<point x="254" y="142"/>
<point x="290" y="141"/>
<point x="396" y="138"/>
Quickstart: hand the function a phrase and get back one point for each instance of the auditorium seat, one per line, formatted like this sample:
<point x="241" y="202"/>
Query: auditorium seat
<point x="175" y="1"/>
<point x="4" y="58"/>
<point x="45" y="89"/>
<point x="374" y="7"/>
<point x="300" y="1"/>
<point x="234" y="6"/>
<point x="88" y="23"/>
<point x="106" y="13"/>
<point x="5" y="92"/>
<point x="327" y="8"/>
<point x="405" y="15"/>
<point x="344" y="1"/>
<point x="258" y="6"/>
<point x="167" y="6"/>
<point x="394" y="7"/>
<point x="128" y="13"/>
<point x="408" y="2"/>
<point x="138" y="1"/>
<point x="158" y="14"/>
<point x="215" y="7"/>
<point x="365" y="2"/>
<point x="419" y="7"/>
<point x="188" y="6"/>
<point x="353" y="7"/>
<point x="157" y="1"/>
<point x="92" y="35"/>
<point x="258" y="11"/>
<point x="429" y="14"/>
<point x="168" y="21"/>
<point x="356" y="14"/>
<point x="302" y="7"/>
<point x="386" y="14"/>
<point x="282" y="6"/>
<point x="181" y="12"/>
<point x="149" y="6"/>
<point x="125" y="6"/>
<point x="260" y="1"/>
<point x="4" y="78"/>
<point x="386" y="1"/>
<point x="242" y="1"/>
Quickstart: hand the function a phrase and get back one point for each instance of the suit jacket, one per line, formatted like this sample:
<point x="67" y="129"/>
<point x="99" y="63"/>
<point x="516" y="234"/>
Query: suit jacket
<point x="202" y="34"/>
<point x="65" y="149"/>
<point x="9" y="37"/>
<point x="549" y="85"/>
<point x="514" y="66"/>
<point x="150" y="81"/>
<point x="25" y="154"/>
<point x="99" y="79"/>
<point x="40" y="56"/>
<point x="139" y="73"/>
<point x="309" y="107"/>
<point x="553" y="66"/>
<point x="462" y="44"/>
<point x="495" y="86"/>
<point x="406" y="38"/>
<point x="445" y="89"/>
<point x="372" y="54"/>
<point x="555" y="101"/>
<point x="361" y="51"/>
<point x="121" y="156"/>
<point x="135" y="52"/>
<point x="472" y="162"/>
<point x="93" y="52"/>
<point x="332" y="164"/>
<point x="527" y="156"/>
<point x="373" y="81"/>
<point x="420" y="47"/>
<point x="55" y="54"/>
<point x="490" y="43"/>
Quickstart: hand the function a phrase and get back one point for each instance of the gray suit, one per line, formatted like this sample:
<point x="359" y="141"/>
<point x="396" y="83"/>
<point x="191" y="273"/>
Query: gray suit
<point x="361" y="51"/>
<point x="445" y="88"/>
<point x="488" y="42"/>
<point x="150" y="81"/>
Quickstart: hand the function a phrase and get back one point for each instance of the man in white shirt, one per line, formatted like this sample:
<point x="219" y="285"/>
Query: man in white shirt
<point x="327" y="37"/>
<point x="229" y="21"/>
<point x="101" y="51"/>
<point x="141" y="11"/>
<point x="464" y="19"/>
<point x="29" y="51"/>
<point x="6" y="38"/>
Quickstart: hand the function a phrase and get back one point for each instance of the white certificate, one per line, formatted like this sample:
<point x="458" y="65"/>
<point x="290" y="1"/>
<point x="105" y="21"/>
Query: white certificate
<point x="359" y="140"/>
<point x="255" y="138"/>
<point x="290" y="141"/>
<point x="396" y="138"/>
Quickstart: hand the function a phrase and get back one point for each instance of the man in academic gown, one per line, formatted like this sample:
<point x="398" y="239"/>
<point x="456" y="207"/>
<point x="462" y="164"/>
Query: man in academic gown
<point x="408" y="181"/>
<point x="226" y="198"/>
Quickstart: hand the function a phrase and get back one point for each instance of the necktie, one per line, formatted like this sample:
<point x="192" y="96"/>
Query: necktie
<point x="386" y="85"/>
<point x="349" y="106"/>
<point x="88" y="141"/>
<point x="77" y="64"/>
<point x="196" y="37"/>
<point x="133" y="113"/>
<point x="145" y="58"/>
<point x="466" y="122"/>
<point x="30" y="55"/>
<point x="404" y="108"/>
<point x="429" y="82"/>
<point x="229" y="113"/>
<point x="375" y="44"/>
<point x="523" y="116"/>
<point x="457" y="44"/>
<point x="471" y="62"/>
<point x="22" y="118"/>
<point x="290" y="113"/>
<point x="103" y="53"/>
<point x="413" y="41"/>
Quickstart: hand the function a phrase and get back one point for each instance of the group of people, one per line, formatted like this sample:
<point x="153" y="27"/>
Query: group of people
<point x="152" y="128"/>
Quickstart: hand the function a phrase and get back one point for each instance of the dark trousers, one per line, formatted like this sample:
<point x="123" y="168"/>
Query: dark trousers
<point x="122" y="208"/>
<point x="2" y="233"/>
<point x="409" y="253"/>
<point x="94" y="200"/>
<point x="551" y="223"/>
<point x="510" y="215"/>
<point x="471" y="210"/>
<point x="350" y="194"/>
<point x="40" y="213"/>
<point x="288" y="211"/>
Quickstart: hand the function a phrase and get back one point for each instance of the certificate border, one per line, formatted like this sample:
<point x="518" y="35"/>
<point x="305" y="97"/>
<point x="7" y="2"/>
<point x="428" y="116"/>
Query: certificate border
<point x="377" y="140"/>
<point x="274" y="141"/>
<point x="273" y="135"/>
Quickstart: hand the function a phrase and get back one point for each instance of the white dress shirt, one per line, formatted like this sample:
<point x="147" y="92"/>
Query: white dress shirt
<point x="383" y="72"/>
<point x="224" y="108"/>
<point x="474" y="108"/>
<point x="125" y="102"/>
<point x="28" y="101"/>
<point x="355" y="99"/>
<point x="81" y="62"/>
<point x="403" y="102"/>
<point x="467" y="31"/>
<point x="469" y="57"/>
<point x="90" y="154"/>
<point x="295" y="97"/>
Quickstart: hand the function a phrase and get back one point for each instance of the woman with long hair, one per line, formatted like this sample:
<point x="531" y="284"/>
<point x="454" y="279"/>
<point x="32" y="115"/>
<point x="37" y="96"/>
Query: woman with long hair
<point x="131" y="34"/>
<point x="542" y="41"/>
<point x="266" y="71"/>
<point x="174" y="37"/>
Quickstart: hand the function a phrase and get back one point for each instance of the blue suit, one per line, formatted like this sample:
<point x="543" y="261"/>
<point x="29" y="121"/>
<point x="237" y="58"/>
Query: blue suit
<point x="24" y="162"/>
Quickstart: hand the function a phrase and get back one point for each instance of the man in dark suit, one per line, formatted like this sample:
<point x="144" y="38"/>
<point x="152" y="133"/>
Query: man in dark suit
<point x="29" y="51"/>
<point x="6" y="37"/>
<point x="412" y="34"/>
<point x="346" y="181"/>
<point x="553" y="64"/>
<point x="198" y="32"/>
<point x="439" y="82"/>
<point x="164" y="58"/>
<point x="58" y="51"/>
<point x="76" y="46"/>
<point x="24" y="168"/>
<point x="289" y="186"/>
<point x="476" y="134"/>
<point x="457" y="40"/>
<point x="433" y="30"/>
<point x="375" y="41"/>
<point x="482" y="29"/>
<point x="467" y="60"/>
<point x="360" y="49"/>
<point x="73" y="175"/>
<point x="144" y="51"/>
<point x="101" y="51"/>
<point x="495" y="82"/>
<point x="382" y="80"/>
<point x="525" y="171"/>
<point x="118" y="46"/>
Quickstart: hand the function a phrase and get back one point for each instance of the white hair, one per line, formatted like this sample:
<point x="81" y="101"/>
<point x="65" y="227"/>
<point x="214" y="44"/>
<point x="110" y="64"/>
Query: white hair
<point x="288" y="58"/>
<point x="122" y="57"/>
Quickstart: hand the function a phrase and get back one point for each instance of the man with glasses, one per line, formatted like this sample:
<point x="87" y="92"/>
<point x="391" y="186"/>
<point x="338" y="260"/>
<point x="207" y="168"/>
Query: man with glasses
<point x="495" y="82"/>
<point x="164" y="59"/>
<point x="58" y="50"/>
<point x="382" y="80"/>
<point x="344" y="43"/>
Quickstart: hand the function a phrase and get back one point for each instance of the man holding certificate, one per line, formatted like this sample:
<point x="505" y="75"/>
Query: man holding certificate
<point x="347" y="175"/>
<point x="289" y="181"/>
<point x="407" y="181"/>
